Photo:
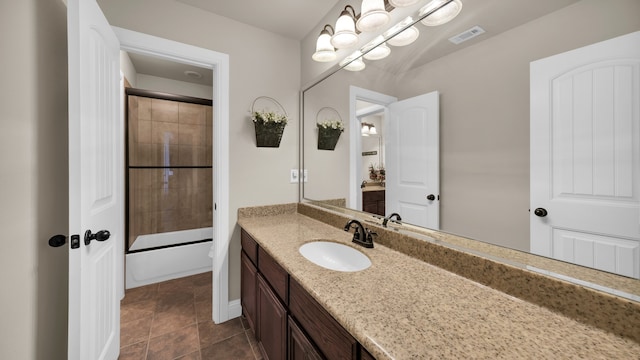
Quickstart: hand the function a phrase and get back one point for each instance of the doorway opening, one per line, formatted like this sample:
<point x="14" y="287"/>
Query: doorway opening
<point x="143" y="44"/>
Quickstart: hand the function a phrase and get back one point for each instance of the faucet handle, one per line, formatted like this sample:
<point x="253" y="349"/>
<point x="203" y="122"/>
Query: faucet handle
<point x="371" y="234"/>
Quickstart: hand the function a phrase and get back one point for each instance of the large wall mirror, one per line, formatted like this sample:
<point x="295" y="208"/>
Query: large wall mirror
<point x="481" y="151"/>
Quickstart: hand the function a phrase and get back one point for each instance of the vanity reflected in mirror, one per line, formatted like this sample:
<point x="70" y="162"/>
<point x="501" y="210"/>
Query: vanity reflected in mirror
<point x="484" y="182"/>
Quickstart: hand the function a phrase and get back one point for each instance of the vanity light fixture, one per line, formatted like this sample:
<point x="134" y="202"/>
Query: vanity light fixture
<point x="364" y="131"/>
<point x="373" y="15"/>
<point x="353" y="62"/>
<point x="445" y="11"/>
<point x="377" y="49"/>
<point x="324" y="50"/>
<point x="402" y="3"/>
<point x="402" y="37"/>
<point x="368" y="129"/>
<point x="345" y="35"/>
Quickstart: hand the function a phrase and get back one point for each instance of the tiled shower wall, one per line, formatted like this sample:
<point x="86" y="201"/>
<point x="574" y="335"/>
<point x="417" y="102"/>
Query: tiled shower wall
<point x="170" y="176"/>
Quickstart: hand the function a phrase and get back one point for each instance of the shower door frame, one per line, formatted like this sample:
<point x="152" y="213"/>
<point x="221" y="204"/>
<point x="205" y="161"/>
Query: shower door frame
<point x="135" y="42"/>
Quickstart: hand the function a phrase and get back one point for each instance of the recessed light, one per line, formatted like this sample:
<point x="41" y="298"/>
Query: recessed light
<point x="193" y="74"/>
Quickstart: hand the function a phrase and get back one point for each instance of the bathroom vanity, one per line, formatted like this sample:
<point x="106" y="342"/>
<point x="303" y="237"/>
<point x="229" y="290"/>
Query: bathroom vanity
<point x="278" y="308"/>
<point x="373" y="200"/>
<point x="403" y="307"/>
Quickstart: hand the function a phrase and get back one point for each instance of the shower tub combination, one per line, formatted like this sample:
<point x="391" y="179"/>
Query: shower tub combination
<point x="159" y="257"/>
<point x="169" y="187"/>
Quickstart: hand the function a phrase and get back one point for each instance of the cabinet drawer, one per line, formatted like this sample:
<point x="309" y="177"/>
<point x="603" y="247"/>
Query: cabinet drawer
<point x="373" y="195"/>
<point x="329" y="336"/>
<point x="277" y="277"/>
<point x="249" y="246"/>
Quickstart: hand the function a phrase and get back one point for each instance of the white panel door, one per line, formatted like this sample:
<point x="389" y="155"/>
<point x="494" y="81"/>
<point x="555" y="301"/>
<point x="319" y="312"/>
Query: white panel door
<point x="585" y="156"/>
<point x="95" y="183"/>
<point x="413" y="160"/>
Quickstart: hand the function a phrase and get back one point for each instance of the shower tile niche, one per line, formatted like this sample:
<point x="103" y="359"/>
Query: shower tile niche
<point x="169" y="183"/>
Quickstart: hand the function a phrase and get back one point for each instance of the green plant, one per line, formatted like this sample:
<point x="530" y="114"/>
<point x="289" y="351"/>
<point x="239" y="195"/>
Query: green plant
<point x="268" y="117"/>
<point x="331" y="124"/>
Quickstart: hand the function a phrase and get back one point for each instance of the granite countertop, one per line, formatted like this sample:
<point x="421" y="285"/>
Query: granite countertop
<point x="404" y="308"/>
<point x="373" y="187"/>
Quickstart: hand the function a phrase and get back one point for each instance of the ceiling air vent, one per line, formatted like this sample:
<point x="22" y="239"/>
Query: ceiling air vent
<point x="467" y="35"/>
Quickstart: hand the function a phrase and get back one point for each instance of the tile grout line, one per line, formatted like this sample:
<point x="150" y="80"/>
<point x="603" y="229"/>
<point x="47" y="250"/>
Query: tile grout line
<point x="195" y="309"/>
<point x="153" y="317"/>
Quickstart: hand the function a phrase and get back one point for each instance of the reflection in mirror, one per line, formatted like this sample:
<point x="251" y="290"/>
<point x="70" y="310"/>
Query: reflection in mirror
<point x="484" y="135"/>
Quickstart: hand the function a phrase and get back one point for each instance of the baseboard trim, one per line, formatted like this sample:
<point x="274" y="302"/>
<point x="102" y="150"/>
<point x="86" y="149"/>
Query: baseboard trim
<point x="235" y="309"/>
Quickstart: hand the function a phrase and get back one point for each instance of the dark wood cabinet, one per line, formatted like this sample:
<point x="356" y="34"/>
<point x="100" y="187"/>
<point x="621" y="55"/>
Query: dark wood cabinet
<point x="364" y="355"/>
<point x="329" y="336"/>
<point x="275" y="275"/>
<point x="373" y="202"/>
<point x="300" y="347"/>
<point x="271" y="329"/>
<point x="287" y="321"/>
<point x="249" y="274"/>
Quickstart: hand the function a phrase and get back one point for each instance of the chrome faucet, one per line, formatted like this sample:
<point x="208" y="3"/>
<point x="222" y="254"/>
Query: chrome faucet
<point x="386" y="220"/>
<point x="361" y="236"/>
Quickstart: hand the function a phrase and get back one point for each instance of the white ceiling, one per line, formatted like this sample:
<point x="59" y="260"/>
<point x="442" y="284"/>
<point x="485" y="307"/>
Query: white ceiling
<point x="296" y="18"/>
<point x="154" y="66"/>
<point x="291" y="18"/>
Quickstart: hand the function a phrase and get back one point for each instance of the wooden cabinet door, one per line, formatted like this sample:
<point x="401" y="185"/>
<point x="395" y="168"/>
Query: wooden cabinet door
<point x="300" y="347"/>
<point x="272" y="323"/>
<point x="248" y="289"/>
<point x="364" y="354"/>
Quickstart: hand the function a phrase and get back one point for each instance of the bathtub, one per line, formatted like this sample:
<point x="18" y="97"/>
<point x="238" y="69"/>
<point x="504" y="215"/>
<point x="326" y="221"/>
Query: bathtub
<point x="171" y="261"/>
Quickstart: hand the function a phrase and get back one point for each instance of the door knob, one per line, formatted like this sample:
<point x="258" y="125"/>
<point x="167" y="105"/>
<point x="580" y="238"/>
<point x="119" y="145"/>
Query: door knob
<point x="57" y="240"/>
<point x="101" y="235"/>
<point x="540" y="212"/>
<point x="431" y="197"/>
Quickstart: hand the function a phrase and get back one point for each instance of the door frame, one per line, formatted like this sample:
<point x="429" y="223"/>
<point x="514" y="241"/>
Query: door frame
<point x="219" y="62"/>
<point x="355" y="141"/>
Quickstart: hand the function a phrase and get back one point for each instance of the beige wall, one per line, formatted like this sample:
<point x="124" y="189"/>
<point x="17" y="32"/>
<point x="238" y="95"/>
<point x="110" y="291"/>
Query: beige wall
<point x="33" y="152"/>
<point x="261" y="63"/>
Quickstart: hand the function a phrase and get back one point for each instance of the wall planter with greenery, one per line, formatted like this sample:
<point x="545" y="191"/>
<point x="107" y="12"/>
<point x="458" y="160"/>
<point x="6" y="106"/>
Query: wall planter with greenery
<point x="269" y="122"/>
<point x="329" y="129"/>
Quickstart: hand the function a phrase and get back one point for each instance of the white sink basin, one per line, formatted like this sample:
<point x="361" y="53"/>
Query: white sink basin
<point x="335" y="256"/>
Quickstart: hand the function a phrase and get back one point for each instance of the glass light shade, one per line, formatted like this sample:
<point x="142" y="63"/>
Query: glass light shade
<point x="404" y="38"/>
<point x="379" y="52"/>
<point x="365" y="130"/>
<point x="324" y="50"/>
<point x="443" y="15"/>
<point x="345" y="35"/>
<point x="356" y="65"/>
<point x="372" y="130"/>
<point x="402" y="3"/>
<point x="373" y="15"/>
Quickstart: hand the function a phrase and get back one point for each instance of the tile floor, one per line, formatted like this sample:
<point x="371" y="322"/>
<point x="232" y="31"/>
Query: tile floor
<point x="172" y="320"/>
